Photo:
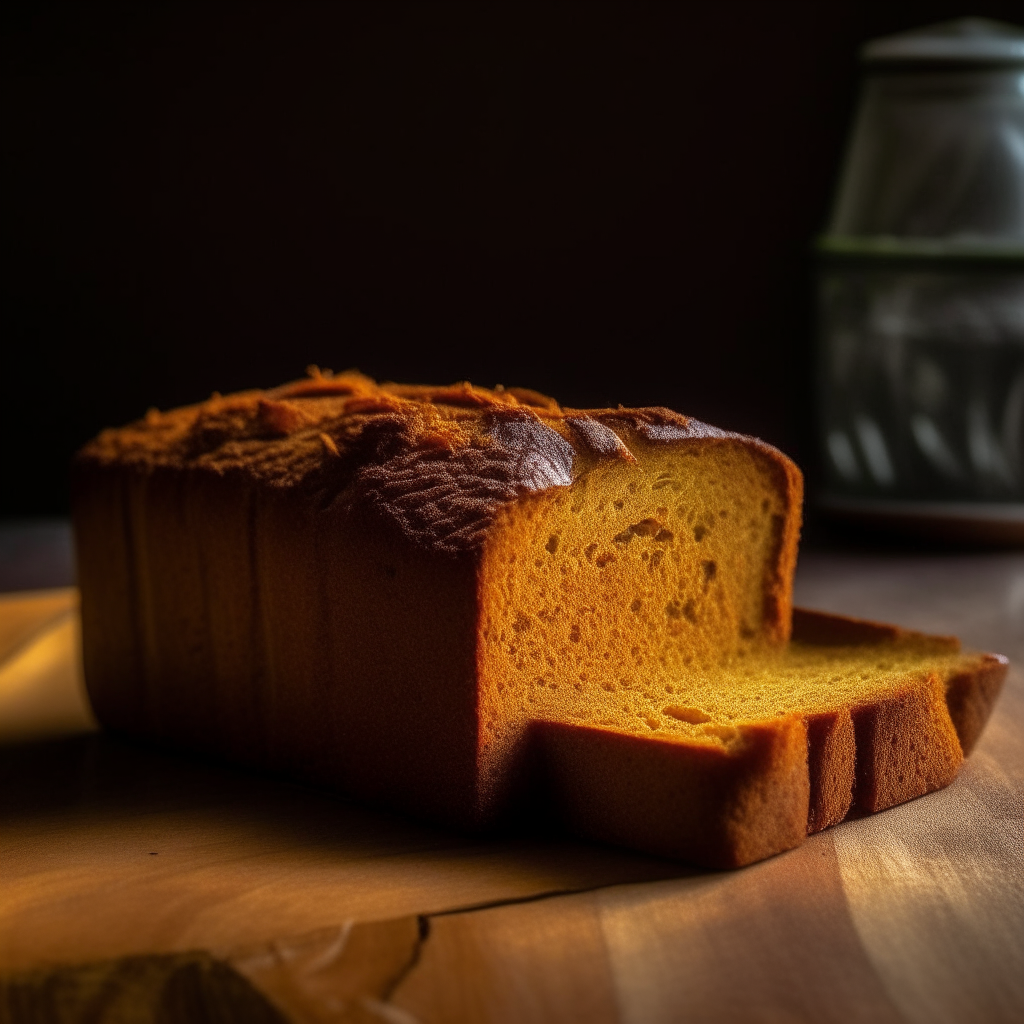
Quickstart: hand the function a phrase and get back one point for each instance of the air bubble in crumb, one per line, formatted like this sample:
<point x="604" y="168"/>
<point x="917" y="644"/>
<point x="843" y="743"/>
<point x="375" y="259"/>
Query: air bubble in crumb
<point x="686" y="714"/>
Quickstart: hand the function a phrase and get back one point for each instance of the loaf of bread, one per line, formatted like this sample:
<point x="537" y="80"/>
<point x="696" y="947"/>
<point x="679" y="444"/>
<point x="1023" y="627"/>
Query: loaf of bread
<point x="468" y="604"/>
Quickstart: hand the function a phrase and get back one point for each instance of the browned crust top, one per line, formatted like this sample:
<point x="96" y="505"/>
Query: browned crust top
<point x="439" y="462"/>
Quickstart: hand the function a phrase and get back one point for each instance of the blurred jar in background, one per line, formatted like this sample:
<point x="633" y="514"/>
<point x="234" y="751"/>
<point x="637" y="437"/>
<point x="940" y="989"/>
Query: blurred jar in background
<point x="921" y="288"/>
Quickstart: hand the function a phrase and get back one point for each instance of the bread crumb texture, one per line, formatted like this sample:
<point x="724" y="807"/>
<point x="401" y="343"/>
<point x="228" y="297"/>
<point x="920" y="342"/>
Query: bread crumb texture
<point x="471" y="603"/>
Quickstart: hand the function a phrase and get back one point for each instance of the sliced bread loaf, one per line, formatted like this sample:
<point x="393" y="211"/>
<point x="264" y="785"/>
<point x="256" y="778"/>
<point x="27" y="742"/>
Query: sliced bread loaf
<point x="421" y="595"/>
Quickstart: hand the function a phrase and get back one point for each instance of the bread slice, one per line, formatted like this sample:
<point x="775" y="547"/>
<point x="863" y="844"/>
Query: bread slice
<point x="727" y="767"/>
<point x="386" y="588"/>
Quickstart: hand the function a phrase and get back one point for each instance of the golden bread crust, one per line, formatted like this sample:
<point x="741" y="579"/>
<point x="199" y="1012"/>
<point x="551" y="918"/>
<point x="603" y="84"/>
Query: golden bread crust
<point x="438" y="462"/>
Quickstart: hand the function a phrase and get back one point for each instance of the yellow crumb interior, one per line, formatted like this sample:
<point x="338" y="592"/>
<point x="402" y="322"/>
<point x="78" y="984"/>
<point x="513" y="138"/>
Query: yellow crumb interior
<point x="596" y="595"/>
<point x="802" y="679"/>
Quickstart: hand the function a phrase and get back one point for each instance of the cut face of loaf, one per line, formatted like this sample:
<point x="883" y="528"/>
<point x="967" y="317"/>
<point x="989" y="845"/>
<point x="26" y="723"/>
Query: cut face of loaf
<point x="670" y="564"/>
<point x="431" y="597"/>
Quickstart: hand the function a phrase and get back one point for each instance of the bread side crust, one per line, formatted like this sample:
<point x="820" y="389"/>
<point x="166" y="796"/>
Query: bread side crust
<point x="906" y="746"/>
<point x="700" y="802"/>
<point x="827" y="629"/>
<point x="266" y="631"/>
<point x="831" y="765"/>
<point x="972" y="693"/>
<point x="778" y="593"/>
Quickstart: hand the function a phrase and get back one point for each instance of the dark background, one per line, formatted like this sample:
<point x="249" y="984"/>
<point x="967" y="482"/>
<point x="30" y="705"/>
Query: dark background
<point x="607" y="202"/>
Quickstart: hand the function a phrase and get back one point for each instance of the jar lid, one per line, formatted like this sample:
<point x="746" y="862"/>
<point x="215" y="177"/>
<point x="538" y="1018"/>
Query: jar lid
<point x="964" y="41"/>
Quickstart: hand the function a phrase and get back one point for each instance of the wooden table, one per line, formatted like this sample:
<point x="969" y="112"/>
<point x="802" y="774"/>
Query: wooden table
<point x="139" y="885"/>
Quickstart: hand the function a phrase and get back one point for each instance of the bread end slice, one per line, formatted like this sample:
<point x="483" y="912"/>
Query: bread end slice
<point x="879" y="715"/>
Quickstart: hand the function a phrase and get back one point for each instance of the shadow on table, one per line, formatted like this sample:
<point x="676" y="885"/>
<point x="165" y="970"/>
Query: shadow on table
<point x="114" y="780"/>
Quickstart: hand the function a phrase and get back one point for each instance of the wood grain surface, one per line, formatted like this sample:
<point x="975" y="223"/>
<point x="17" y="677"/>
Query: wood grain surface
<point x="139" y="882"/>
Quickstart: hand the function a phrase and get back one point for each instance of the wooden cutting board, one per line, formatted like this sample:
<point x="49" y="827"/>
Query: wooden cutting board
<point x="140" y="885"/>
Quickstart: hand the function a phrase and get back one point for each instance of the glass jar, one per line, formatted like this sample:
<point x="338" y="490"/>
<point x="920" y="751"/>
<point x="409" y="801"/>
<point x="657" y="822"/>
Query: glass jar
<point x="921" y="285"/>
